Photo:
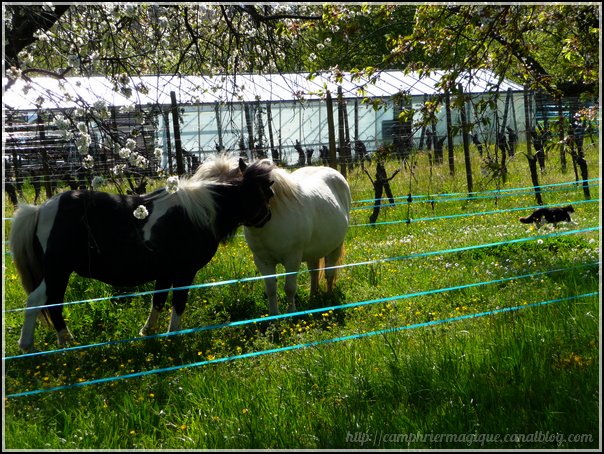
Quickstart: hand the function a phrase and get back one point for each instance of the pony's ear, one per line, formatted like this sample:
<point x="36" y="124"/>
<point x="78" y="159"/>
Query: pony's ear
<point x="242" y="165"/>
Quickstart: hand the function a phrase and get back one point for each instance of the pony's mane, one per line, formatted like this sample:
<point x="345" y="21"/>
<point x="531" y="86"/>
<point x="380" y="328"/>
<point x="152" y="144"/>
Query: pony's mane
<point x="285" y="188"/>
<point x="198" y="199"/>
<point x="195" y="196"/>
<point x="219" y="167"/>
<point x="224" y="166"/>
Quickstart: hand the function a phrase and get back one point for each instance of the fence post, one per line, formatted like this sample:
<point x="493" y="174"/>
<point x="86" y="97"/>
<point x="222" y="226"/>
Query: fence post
<point x="449" y="134"/>
<point x="44" y="155"/>
<point x="561" y="135"/>
<point x="342" y="138"/>
<point x="331" y="131"/>
<point x="177" y="143"/>
<point x="18" y="182"/>
<point x="168" y="140"/>
<point x="466" y="142"/>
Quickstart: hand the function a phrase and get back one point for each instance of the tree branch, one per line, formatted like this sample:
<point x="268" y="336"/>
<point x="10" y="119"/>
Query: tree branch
<point x="258" y="18"/>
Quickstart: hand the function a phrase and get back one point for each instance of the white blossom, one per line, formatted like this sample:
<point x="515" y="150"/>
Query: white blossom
<point x="133" y="158"/>
<point x="83" y="142"/>
<point x="97" y="182"/>
<point x="13" y="73"/>
<point x="172" y="185"/>
<point x="101" y="108"/>
<point x="82" y="127"/>
<point x="61" y="123"/>
<point x="128" y="108"/>
<point x="125" y="153"/>
<point x="74" y="60"/>
<point x="119" y="169"/>
<point x="25" y="57"/>
<point x="141" y="212"/>
<point x="130" y="10"/>
<point x="88" y="162"/>
<point x="131" y="143"/>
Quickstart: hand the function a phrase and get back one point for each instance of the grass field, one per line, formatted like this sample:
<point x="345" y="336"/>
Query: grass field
<point x="411" y="369"/>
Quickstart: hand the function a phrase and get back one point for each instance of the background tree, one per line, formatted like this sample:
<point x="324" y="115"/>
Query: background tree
<point x="553" y="48"/>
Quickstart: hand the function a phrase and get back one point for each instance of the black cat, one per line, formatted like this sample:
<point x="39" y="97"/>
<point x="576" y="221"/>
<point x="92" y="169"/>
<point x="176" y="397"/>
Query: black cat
<point x="549" y="216"/>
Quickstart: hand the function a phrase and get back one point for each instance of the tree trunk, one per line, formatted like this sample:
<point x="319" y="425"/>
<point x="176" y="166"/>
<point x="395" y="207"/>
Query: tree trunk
<point x="532" y="160"/>
<point x="219" y="125"/>
<point x="378" y="196"/>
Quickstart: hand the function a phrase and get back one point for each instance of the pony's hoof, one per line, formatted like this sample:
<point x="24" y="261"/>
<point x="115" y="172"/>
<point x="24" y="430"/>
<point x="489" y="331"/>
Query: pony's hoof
<point x="65" y="338"/>
<point x="27" y="348"/>
<point x="146" y="331"/>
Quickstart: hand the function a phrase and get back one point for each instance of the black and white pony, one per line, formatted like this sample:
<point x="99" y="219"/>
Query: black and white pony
<point x="165" y="236"/>
<point x="310" y="217"/>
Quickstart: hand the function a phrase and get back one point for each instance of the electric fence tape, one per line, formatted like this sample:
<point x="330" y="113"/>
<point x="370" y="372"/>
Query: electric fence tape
<point x="349" y="265"/>
<point x="294" y="314"/>
<point x="296" y="347"/>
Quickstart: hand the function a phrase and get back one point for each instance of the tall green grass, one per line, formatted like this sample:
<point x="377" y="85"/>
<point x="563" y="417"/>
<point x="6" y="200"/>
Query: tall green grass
<point x="528" y="376"/>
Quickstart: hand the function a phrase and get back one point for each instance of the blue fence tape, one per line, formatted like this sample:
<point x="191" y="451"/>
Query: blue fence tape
<point x="296" y="314"/>
<point x="488" y="192"/>
<point x="349" y="265"/>
<point x="460" y="193"/>
<point x="408" y="221"/>
<point x="296" y="347"/>
<point x="471" y="198"/>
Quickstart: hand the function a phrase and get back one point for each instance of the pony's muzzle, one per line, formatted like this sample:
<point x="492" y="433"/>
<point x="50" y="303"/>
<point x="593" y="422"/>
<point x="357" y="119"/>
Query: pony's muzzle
<point x="260" y="220"/>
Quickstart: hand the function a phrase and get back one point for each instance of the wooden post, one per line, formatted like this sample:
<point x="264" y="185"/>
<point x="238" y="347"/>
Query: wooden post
<point x="44" y="156"/>
<point x="561" y="136"/>
<point x="331" y="129"/>
<point x="168" y="141"/>
<point x="423" y="135"/>
<point x="527" y="120"/>
<point x="466" y="143"/>
<point x="269" y="120"/>
<point x="356" y="130"/>
<point x="356" y="119"/>
<point x="250" y="129"/>
<point x="18" y="183"/>
<point x="341" y="136"/>
<point x="348" y="145"/>
<point x="177" y="143"/>
<point x="449" y="134"/>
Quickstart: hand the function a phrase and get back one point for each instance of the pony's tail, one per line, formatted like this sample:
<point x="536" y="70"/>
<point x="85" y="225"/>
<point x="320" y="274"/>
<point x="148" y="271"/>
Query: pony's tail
<point x="322" y="268"/>
<point x="21" y="243"/>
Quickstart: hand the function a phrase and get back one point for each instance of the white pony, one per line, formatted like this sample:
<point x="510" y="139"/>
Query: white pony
<point x="310" y="216"/>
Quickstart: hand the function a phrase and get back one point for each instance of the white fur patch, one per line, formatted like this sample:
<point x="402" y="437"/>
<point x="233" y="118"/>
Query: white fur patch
<point x="48" y="213"/>
<point x="160" y="207"/>
<point x="35" y="301"/>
